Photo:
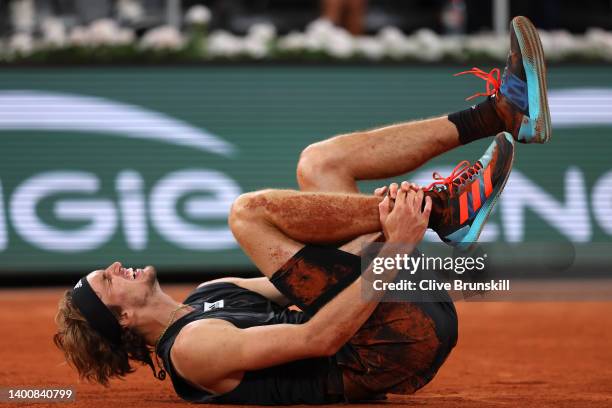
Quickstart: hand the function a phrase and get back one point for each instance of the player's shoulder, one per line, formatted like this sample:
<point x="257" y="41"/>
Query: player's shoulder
<point x="229" y="279"/>
<point x="198" y="337"/>
<point x="213" y="289"/>
<point x="197" y="345"/>
<point x="199" y="340"/>
<point x="197" y="332"/>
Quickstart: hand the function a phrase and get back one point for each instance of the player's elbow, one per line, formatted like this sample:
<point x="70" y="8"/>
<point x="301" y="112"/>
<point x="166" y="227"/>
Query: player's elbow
<point x="332" y="348"/>
<point x="325" y="343"/>
<point x="332" y="345"/>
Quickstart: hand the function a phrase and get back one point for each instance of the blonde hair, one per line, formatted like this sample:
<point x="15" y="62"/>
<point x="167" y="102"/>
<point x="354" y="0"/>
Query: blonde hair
<point x="94" y="357"/>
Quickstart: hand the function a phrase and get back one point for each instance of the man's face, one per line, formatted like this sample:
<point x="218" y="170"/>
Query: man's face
<point x="127" y="288"/>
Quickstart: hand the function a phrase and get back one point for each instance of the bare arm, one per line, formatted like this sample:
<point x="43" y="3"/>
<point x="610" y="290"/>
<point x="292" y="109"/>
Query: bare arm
<point x="214" y="354"/>
<point x="218" y="363"/>
<point x="403" y="223"/>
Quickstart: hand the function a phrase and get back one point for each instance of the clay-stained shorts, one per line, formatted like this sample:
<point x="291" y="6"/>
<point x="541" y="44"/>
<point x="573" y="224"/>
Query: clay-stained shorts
<point x="400" y="347"/>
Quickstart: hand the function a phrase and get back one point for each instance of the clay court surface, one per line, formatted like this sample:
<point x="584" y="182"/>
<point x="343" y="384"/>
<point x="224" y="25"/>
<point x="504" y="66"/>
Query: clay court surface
<point x="508" y="355"/>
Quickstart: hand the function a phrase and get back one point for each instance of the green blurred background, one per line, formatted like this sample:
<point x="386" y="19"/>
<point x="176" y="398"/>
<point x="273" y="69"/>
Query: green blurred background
<point x="164" y="202"/>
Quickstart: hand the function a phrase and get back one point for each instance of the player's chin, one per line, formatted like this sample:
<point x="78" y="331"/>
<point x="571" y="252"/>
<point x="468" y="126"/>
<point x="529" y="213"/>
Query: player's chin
<point x="150" y="274"/>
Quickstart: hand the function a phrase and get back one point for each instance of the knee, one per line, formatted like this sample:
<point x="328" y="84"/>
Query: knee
<point x="246" y="209"/>
<point x="315" y="163"/>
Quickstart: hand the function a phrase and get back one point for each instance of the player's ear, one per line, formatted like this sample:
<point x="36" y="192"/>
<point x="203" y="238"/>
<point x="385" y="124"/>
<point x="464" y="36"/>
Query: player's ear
<point x="126" y="318"/>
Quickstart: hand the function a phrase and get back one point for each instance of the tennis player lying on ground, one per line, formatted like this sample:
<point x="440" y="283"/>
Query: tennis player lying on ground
<point x="237" y="341"/>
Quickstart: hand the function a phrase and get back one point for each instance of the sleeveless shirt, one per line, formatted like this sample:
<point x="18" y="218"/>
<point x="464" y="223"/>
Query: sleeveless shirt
<point x="308" y="381"/>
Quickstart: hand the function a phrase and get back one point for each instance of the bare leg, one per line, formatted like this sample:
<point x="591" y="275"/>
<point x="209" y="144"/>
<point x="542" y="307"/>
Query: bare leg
<point x="355" y="12"/>
<point x="336" y="164"/>
<point x="332" y="10"/>
<point x="272" y="225"/>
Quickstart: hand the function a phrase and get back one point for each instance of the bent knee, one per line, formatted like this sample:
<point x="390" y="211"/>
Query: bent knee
<point x="248" y="207"/>
<point x="315" y="162"/>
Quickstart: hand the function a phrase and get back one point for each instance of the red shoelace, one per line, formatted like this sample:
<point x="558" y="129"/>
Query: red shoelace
<point x="462" y="172"/>
<point x="492" y="78"/>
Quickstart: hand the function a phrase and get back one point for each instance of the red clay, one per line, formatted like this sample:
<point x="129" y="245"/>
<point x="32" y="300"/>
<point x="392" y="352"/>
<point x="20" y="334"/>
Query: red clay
<point x="508" y="355"/>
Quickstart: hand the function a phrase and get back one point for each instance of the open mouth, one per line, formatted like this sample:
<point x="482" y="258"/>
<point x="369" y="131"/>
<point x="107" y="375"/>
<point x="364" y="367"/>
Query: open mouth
<point x="131" y="273"/>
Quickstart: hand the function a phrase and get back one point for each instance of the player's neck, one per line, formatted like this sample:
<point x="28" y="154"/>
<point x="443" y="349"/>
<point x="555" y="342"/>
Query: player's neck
<point x="157" y="316"/>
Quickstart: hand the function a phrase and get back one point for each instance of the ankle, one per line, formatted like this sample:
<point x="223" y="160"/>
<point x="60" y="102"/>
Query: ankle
<point x="479" y="121"/>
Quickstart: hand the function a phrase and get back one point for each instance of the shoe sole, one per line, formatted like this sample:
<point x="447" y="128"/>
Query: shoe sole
<point x="533" y="62"/>
<point x="471" y="238"/>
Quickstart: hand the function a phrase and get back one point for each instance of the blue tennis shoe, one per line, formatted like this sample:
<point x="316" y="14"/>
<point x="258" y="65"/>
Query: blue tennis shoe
<point x="463" y="201"/>
<point x="520" y="95"/>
